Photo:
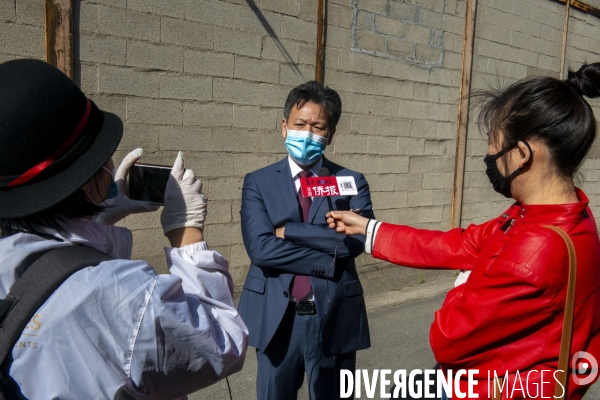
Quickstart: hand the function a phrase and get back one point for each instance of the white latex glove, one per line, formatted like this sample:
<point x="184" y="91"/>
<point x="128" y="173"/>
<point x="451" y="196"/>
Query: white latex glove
<point x="185" y="204"/>
<point x="122" y="206"/>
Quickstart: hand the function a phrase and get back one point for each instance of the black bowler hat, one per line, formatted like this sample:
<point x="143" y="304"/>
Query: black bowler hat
<point x="53" y="139"/>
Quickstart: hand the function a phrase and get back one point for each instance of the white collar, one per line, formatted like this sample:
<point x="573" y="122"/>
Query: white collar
<point x="112" y="240"/>
<point x="295" y="168"/>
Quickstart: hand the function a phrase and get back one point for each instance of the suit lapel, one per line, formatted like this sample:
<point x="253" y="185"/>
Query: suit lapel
<point x="288" y="191"/>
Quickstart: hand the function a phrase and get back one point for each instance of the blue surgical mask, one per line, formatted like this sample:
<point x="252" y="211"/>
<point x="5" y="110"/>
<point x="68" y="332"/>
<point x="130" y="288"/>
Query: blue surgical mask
<point x="114" y="190"/>
<point x="305" y="147"/>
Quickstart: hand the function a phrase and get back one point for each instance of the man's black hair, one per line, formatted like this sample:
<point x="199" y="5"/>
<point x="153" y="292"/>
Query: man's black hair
<point x="313" y="91"/>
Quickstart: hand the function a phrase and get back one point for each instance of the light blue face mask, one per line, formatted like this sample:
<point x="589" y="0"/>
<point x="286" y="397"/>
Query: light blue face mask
<point x="305" y="147"/>
<point x="114" y="190"/>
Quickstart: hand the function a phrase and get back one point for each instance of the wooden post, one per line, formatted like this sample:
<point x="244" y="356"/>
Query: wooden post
<point x="59" y="35"/>
<point x="564" y="41"/>
<point x="463" y="114"/>
<point x="321" y="35"/>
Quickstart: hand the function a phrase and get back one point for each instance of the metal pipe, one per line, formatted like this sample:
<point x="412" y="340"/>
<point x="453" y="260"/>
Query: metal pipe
<point x="321" y="36"/>
<point x="59" y="35"/>
<point x="463" y="114"/>
<point x="564" y="41"/>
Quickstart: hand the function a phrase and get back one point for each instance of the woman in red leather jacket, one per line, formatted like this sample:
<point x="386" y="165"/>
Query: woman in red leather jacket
<point x="508" y="316"/>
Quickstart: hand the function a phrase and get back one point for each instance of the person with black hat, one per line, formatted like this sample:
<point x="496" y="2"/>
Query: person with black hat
<point x="118" y="329"/>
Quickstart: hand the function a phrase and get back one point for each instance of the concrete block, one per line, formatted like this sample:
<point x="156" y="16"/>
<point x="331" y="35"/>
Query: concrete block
<point x="440" y="76"/>
<point x="400" y="89"/>
<point x="86" y="75"/>
<point x="435" y="5"/>
<point x="163" y="112"/>
<point x="365" y="21"/>
<point x="224" y="234"/>
<point x="152" y="56"/>
<point x="219" y="212"/>
<point x="408" y="182"/>
<point x="217" y="13"/>
<point x="394" y="165"/>
<point x="355" y="62"/>
<point x="272" y="142"/>
<point x="437" y="147"/>
<point x="273" y="95"/>
<point x="420" y="198"/>
<point x="103" y="49"/>
<point x="388" y="26"/>
<point x="209" y="114"/>
<point x="339" y="15"/>
<point x="290" y="74"/>
<point x="297" y="29"/>
<point x="499" y="34"/>
<point x="438" y="181"/>
<point x="395" y="127"/>
<point x="381" y="182"/>
<point x="227" y="189"/>
<point x="402" y="11"/>
<point x="350" y="144"/>
<point x="367" y="164"/>
<point x="245" y="163"/>
<point x="129" y="24"/>
<point x="339" y="37"/>
<point x="386" y="106"/>
<point x="117" y="80"/>
<point x="185" y="138"/>
<point x="186" y="87"/>
<point x="375" y="6"/>
<point x="145" y="136"/>
<point x="415" y="73"/>
<point x="339" y="80"/>
<point x="234" y="140"/>
<point x="370" y="41"/>
<point x="382" y="145"/>
<point x="248" y="20"/>
<point x="208" y="63"/>
<point x="8" y="11"/>
<point x="424" y="129"/>
<point x="237" y="42"/>
<point x="446" y="130"/>
<point x="451" y="60"/>
<point x="389" y="200"/>
<point x="282" y="50"/>
<point x="400" y="47"/>
<point x="239" y="258"/>
<point x="256" y="70"/>
<point x="29" y="12"/>
<point x="411" y="146"/>
<point x="288" y="7"/>
<point x="417" y="33"/>
<point x="160" y="7"/>
<point x="113" y="3"/>
<point x="437" y="37"/>
<point x="112" y="104"/>
<point x="309" y="10"/>
<point x="366" y="124"/>
<point x="254" y="117"/>
<point x="85" y="16"/>
<point x="428" y="53"/>
<point x="431" y="164"/>
<point x="186" y="33"/>
<point x="415" y="109"/>
<point x="430" y="18"/>
<point x="454" y="24"/>
<point x="21" y="40"/>
<point x="236" y="91"/>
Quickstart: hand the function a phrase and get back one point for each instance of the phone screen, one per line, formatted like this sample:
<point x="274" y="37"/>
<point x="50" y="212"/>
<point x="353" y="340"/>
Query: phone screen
<point x="148" y="182"/>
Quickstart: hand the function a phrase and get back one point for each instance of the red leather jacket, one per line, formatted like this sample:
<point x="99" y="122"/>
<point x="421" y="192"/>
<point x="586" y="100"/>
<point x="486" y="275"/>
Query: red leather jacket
<point x="508" y="316"/>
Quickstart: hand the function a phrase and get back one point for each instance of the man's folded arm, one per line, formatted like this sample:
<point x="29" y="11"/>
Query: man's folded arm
<point x="321" y="237"/>
<point x="266" y="250"/>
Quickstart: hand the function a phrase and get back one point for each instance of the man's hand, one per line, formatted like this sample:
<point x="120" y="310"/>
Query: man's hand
<point x="280" y="232"/>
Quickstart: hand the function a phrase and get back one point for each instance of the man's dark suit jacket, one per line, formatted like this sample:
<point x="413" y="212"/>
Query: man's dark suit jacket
<point x="269" y="200"/>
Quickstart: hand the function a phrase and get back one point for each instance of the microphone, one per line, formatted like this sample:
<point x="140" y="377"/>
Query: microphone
<point x="324" y="171"/>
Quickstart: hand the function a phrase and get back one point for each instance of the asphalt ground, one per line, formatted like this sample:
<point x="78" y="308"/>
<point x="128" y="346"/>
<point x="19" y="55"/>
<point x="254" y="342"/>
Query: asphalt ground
<point x="400" y="306"/>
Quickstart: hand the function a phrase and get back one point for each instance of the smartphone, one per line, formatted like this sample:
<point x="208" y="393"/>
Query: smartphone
<point x="147" y="182"/>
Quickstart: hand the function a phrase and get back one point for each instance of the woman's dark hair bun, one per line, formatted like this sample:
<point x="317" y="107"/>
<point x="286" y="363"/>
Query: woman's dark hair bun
<point x="586" y="80"/>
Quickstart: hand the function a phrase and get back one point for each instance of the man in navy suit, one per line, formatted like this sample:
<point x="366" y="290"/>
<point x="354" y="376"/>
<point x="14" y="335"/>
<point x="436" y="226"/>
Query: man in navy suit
<point x="302" y="300"/>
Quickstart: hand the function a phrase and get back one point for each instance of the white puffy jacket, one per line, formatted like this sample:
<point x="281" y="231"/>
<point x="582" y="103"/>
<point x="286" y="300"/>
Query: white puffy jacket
<point x="119" y="330"/>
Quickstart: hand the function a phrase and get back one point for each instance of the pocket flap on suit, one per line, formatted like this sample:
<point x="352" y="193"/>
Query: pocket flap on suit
<point x="255" y="284"/>
<point x="352" y="288"/>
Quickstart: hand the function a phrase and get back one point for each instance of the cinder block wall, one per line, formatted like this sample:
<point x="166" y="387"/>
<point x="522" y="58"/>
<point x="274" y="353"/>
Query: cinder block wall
<point x="210" y="78"/>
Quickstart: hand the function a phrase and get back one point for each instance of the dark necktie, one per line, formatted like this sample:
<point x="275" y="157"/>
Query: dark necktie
<point x="301" y="285"/>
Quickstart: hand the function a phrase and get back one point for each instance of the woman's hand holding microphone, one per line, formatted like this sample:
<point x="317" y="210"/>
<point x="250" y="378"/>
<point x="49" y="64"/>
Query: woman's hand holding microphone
<point x="347" y="222"/>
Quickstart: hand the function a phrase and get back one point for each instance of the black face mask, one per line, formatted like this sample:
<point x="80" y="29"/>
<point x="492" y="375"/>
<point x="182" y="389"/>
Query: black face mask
<point x="501" y="183"/>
